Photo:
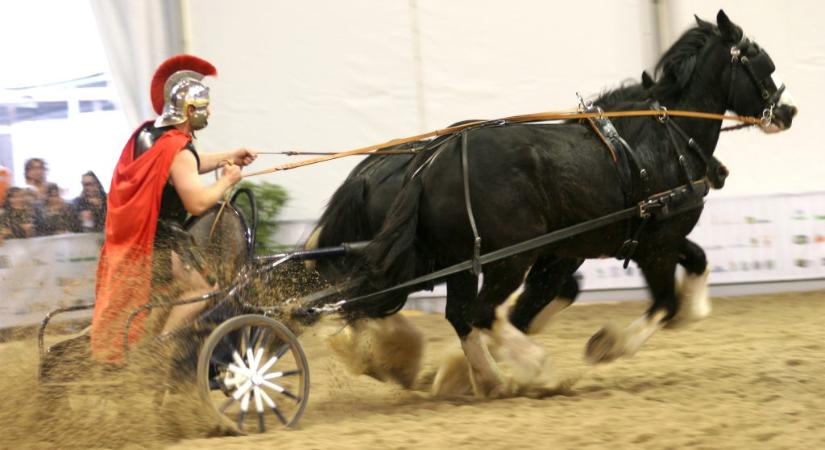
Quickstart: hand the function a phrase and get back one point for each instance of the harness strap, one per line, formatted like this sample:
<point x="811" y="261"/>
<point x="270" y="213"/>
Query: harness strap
<point x="626" y="163"/>
<point x="605" y="141"/>
<point x="714" y="169"/>
<point x="664" y="204"/>
<point x="620" y="152"/>
<point x="465" y="172"/>
<point x="686" y="171"/>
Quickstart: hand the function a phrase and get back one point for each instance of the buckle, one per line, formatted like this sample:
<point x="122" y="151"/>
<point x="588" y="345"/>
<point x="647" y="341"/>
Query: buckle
<point x="767" y="117"/>
<point x="663" y="117"/>
<point x="734" y="53"/>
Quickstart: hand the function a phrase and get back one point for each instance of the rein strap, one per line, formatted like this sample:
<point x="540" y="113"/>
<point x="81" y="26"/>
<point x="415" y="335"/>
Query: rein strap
<point x="524" y="118"/>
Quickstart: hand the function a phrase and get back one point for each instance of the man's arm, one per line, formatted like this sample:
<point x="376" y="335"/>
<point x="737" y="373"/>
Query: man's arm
<point x="240" y="157"/>
<point x="196" y="197"/>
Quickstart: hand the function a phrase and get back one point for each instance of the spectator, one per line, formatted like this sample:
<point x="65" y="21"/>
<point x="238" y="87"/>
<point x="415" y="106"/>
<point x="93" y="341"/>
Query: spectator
<point x="90" y="206"/>
<point x="35" y="173"/>
<point x="58" y="216"/>
<point x="5" y="182"/>
<point x="21" y="218"/>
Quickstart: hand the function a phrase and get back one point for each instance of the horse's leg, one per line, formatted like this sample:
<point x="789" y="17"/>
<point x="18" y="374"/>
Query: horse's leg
<point x="528" y="309"/>
<point x="692" y="291"/>
<point x="387" y="349"/>
<point x="453" y="376"/>
<point x="516" y="350"/>
<point x="548" y="289"/>
<point x="610" y="342"/>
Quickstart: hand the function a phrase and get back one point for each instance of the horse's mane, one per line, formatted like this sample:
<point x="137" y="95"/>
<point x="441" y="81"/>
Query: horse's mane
<point x="675" y="68"/>
<point x="628" y="91"/>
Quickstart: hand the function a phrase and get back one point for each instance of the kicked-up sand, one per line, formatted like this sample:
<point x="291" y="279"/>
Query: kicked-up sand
<point x="752" y="375"/>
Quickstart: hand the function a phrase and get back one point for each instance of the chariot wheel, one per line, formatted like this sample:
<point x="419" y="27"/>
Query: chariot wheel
<point x="253" y="374"/>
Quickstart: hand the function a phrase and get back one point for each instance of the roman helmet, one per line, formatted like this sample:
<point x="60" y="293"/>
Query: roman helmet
<point x="177" y="85"/>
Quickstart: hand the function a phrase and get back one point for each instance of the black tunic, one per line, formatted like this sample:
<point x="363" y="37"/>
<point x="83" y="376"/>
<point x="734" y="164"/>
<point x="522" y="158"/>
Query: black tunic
<point x="171" y="219"/>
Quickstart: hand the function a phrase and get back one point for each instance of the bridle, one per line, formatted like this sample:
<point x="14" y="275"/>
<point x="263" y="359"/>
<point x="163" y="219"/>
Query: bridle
<point x="758" y="68"/>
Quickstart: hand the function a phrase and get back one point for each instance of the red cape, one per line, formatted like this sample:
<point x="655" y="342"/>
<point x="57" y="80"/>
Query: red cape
<point x="124" y="272"/>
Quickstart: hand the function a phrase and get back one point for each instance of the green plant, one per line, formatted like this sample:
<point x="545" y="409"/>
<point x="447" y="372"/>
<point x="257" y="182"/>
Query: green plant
<point x="270" y="198"/>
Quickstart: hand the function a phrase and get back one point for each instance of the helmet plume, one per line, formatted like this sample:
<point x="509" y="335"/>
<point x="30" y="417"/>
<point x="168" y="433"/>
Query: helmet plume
<point x="172" y="65"/>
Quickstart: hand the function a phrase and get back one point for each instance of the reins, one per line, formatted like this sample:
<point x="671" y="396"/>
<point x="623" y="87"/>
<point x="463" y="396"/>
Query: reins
<point x="298" y="153"/>
<point x="226" y="199"/>
<point x="524" y="118"/>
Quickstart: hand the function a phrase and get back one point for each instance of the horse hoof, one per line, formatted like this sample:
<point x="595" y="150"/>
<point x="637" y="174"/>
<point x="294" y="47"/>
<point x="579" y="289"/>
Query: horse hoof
<point x="452" y="378"/>
<point x="603" y="347"/>
<point x="493" y="387"/>
<point x="694" y="301"/>
<point x="492" y="390"/>
<point x="388" y="349"/>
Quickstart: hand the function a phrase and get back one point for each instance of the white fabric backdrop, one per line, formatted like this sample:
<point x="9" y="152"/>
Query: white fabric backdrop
<point x="137" y="36"/>
<point x="321" y="75"/>
<point x="325" y="75"/>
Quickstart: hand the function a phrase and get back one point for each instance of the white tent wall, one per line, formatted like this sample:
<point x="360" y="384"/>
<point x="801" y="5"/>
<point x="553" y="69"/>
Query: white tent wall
<point x="491" y="59"/>
<point x="313" y="75"/>
<point x="322" y="75"/>
<point x="328" y="76"/>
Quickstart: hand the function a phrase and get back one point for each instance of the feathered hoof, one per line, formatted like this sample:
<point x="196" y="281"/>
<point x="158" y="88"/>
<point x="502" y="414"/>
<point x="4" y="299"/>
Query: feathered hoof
<point x="694" y="301"/>
<point x="453" y="377"/>
<point x="605" y="346"/>
<point x="388" y="349"/>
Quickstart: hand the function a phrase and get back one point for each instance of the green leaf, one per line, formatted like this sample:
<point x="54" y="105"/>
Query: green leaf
<point x="270" y="199"/>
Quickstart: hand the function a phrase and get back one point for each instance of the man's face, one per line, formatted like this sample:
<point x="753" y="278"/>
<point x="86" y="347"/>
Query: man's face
<point x="199" y="117"/>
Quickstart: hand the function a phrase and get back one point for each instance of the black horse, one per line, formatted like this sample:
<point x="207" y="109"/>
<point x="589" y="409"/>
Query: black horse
<point x="527" y="180"/>
<point x="358" y="208"/>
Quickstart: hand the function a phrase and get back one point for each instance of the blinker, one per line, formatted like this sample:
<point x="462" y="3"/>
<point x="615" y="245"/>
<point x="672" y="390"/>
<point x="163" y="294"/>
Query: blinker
<point x="762" y="65"/>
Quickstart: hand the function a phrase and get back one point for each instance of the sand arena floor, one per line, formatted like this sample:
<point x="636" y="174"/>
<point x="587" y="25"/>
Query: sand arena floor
<point x="750" y="376"/>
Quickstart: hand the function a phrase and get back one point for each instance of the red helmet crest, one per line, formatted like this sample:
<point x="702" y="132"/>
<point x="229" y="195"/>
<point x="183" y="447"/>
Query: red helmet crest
<point x="172" y="65"/>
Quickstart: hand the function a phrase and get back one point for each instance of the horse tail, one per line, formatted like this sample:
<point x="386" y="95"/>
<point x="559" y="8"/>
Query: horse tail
<point x="312" y="244"/>
<point x="345" y="219"/>
<point x="392" y="253"/>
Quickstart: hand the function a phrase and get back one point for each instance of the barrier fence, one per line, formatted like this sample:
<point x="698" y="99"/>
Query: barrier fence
<point x="41" y="274"/>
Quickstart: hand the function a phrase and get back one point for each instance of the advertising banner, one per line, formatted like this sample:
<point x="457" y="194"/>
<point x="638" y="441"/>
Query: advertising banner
<point x="747" y="240"/>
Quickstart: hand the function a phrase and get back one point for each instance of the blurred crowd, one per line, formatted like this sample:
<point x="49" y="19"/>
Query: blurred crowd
<point x="40" y="210"/>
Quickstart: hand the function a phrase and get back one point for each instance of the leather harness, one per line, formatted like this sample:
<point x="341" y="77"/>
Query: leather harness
<point x="632" y="175"/>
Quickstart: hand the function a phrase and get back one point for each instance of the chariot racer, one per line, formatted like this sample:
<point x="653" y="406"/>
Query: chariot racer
<point x="155" y="185"/>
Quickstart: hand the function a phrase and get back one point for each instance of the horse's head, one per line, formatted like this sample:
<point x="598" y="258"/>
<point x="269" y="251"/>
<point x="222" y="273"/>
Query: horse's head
<point x="754" y="89"/>
<point x="719" y="60"/>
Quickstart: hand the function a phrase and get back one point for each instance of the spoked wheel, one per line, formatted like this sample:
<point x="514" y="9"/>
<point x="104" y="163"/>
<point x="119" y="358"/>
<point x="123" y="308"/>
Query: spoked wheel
<point x="253" y="374"/>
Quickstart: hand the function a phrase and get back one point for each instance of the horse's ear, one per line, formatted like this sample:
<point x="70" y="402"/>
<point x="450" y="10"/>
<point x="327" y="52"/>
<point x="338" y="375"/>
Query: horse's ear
<point x="647" y="80"/>
<point x="729" y="30"/>
<point x="702" y="23"/>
